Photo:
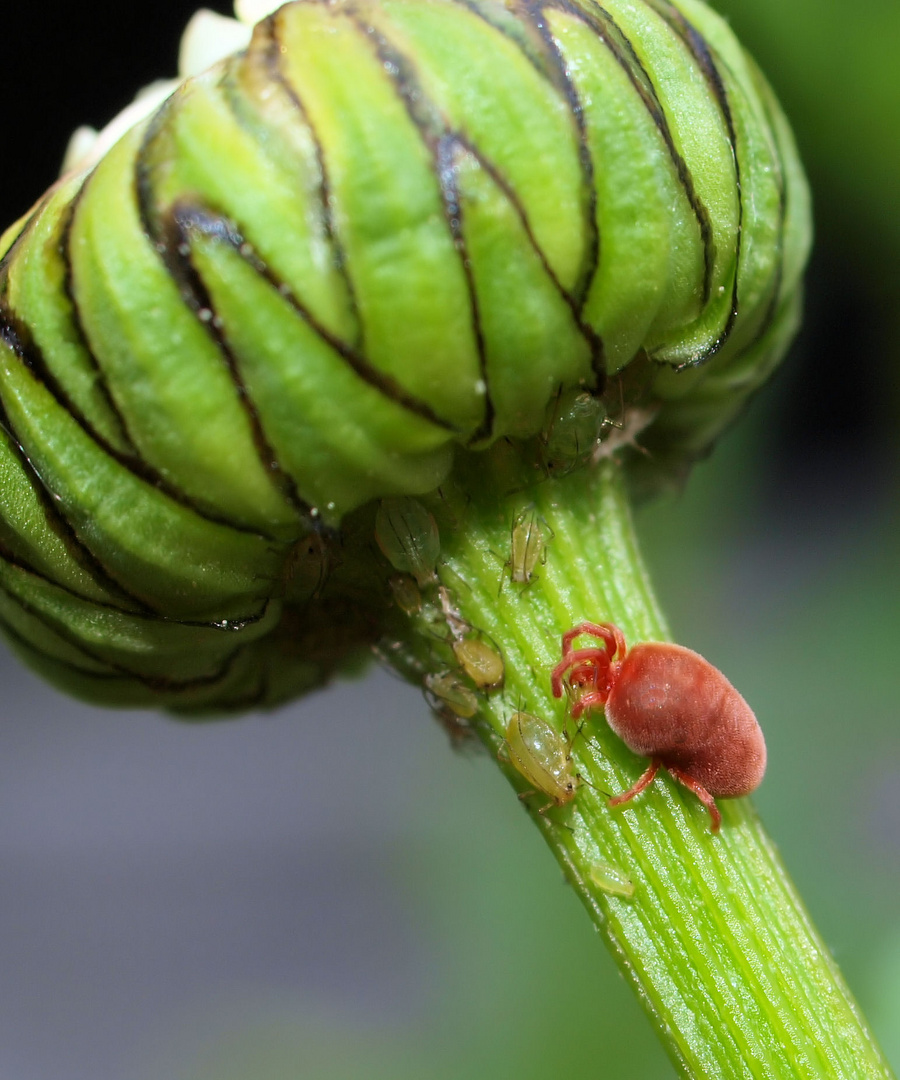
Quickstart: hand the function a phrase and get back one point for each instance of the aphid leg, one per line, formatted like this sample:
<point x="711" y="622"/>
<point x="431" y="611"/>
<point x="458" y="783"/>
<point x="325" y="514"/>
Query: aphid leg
<point x="644" y="781"/>
<point x="702" y="794"/>
<point x="542" y="810"/>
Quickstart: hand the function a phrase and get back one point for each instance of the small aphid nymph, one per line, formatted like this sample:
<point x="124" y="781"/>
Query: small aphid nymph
<point x="542" y="756"/>
<point x="481" y="662"/>
<point x="406" y="593"/>
<point x="669" y="704"/>
<point x="452" y="693"/>
<point x="528" y="545"/>
<point x="611" y="880"/>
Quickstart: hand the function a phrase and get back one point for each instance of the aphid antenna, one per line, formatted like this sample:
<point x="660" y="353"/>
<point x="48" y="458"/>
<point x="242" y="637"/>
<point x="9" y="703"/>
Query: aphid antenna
<point x="570" y="742"/>
<point x="598" y="790"/>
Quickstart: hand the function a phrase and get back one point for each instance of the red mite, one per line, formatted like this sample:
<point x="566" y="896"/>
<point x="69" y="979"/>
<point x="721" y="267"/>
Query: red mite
<point x="669" y="704"/>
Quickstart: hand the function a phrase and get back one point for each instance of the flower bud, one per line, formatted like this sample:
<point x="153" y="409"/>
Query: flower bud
<point x="292" y="291"/>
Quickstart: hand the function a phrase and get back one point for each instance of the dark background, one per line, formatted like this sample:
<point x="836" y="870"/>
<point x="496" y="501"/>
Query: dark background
<point x="328" y="891"/>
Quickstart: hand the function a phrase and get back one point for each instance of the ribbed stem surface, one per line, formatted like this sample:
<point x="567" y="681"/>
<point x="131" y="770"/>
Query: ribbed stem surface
<point x="714" y="939"/>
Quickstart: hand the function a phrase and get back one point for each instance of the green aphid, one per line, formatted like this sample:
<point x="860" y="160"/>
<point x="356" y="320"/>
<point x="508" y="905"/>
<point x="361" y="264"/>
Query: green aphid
<point x="406" y="593"/>
<point x="408" y="537"/>
<point x="543" y="757"/>
<point x="449" y="691"/>
<point x="611" y="880"/>
<point x="573" y="429"/>
<point x="481" y="661"/>
<point x="529" y="538"/>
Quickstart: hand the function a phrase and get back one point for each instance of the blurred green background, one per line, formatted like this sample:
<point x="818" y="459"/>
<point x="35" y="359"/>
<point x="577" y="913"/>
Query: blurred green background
<point x="330" y="892"/>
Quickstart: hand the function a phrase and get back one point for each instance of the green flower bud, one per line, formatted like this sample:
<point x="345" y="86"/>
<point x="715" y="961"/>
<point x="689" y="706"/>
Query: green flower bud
<point x="292" y="291"/>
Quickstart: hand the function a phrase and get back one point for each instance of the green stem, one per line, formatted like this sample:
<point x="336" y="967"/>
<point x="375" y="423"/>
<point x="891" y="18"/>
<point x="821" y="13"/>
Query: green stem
<point x="714" y="939"/>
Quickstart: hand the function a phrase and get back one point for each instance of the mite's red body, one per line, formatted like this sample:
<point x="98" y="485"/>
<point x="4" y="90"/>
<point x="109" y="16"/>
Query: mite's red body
<point x="669" y="704"/>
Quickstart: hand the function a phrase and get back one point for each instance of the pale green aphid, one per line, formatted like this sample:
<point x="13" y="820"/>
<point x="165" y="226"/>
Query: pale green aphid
<point x="611" y="879"/>
<point x="575" y="423"/>
<point x="542" y="756"/>
<point x="480" y="661"/>
<point x="406" y="593"/>
<point x="529" y="538"/>
<point x="408" y="537"/>
<point x="451" y="692"/>
<point x="285" y="295"/>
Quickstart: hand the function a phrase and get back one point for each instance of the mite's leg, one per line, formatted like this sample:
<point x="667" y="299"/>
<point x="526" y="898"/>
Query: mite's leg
<point x="644" y="781"/>
<point x="597" y="659"/>
<point x="702" y="794"/>
<point x="611" y="636"/>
